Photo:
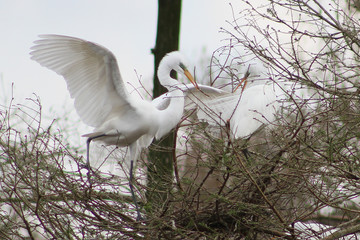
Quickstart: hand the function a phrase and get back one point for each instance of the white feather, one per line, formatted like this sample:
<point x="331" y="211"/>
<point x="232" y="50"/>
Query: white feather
<point x="101" y="98"/>
<point x="244" y="112"/>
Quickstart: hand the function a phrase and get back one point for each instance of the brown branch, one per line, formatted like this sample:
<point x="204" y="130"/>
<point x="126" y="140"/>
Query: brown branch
<point x="343" y="232"/>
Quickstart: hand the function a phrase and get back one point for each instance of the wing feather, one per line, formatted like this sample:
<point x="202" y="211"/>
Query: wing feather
<point x="209" y="102"/>
<point x="217" y="111"/>
<point x="246" y="111"/>
<point x="91" y="73"/>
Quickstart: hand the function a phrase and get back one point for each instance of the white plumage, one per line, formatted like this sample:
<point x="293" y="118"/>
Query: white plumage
<point x="101" y="98"/>
<point x="102" y="101"/>
<point x="244" y="111"/>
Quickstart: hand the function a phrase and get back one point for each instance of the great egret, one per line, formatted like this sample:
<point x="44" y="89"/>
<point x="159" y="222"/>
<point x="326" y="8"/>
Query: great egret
<point x="240" y="113"/>
<point x="245" y="111"/>
<point x="101" y="99"/>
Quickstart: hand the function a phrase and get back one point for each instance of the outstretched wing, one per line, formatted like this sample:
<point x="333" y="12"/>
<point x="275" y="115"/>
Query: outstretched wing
<point x="257" y="106"/>
<point x="193" y="96"/>
<point x="205" y="101"/>
<point x="216" y="111"/>
<point x="202" y="95"/>
<point x="246" y="111"/>
<point x="209" y="103"/>
<point x="91" y="73"/>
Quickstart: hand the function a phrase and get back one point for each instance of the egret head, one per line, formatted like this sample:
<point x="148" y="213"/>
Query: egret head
<point x="173" y="61"/>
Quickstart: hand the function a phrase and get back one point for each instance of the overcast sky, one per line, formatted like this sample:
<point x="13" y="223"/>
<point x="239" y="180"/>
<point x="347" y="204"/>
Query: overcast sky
<point x="127" y="28"/>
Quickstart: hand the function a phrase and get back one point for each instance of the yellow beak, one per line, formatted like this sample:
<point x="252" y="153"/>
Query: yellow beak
<point x="191" y="78"/>
<point x="243" y="80"/>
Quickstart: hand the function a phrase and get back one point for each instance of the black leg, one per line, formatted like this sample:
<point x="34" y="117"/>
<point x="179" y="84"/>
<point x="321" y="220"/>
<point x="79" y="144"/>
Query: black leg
<point x="246" y="153"/>
<point x="138" y="218"/>
<point x="245" y="150"/>
<point x="87" y="165"/>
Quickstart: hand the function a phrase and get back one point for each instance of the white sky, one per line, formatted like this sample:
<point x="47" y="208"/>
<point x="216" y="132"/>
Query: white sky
<point x="127" y="28"/>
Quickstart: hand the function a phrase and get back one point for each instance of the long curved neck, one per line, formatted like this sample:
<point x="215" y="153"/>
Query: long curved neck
<point x="171" y="116"/>
<point x="170" y="62"/>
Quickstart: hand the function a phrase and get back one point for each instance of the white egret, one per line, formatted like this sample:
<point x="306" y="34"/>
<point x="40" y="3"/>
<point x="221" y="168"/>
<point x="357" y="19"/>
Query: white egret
<point x="245" y="111"/>
<point x="102" y="100"/>
<point x="241" y="113"/>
